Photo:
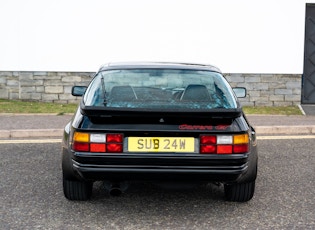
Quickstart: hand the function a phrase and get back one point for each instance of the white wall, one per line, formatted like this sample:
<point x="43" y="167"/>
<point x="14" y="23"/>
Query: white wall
<point x="244" y="36"/>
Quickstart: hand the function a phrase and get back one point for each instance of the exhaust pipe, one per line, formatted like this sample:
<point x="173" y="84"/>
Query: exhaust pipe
<point x="115" y="188"/>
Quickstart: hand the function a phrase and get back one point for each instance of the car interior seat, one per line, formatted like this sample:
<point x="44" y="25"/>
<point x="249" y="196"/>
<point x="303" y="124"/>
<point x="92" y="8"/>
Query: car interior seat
<point x="122" y="93"/>
<point x="195" y="93"/>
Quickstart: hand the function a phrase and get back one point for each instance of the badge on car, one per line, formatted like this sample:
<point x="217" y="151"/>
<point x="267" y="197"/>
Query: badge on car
<point x="161" y="144"/>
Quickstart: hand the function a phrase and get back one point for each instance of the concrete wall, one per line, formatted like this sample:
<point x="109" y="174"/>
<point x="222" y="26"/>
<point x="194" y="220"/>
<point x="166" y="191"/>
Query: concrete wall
<point x="262" y="89"/>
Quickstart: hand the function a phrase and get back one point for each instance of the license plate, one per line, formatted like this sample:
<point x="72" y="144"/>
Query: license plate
<point x="161" y="144"/>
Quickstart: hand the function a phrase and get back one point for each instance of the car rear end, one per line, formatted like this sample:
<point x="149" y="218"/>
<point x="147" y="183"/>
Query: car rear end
<point x="160" y="131"/>
<point x="162" y="151"/>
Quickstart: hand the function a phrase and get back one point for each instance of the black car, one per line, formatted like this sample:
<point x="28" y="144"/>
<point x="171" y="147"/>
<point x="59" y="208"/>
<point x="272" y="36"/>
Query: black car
<point x="158" y="122"/>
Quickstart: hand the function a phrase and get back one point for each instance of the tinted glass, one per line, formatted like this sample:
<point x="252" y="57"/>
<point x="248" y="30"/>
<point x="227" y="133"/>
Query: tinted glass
<point x="160" y="88"/>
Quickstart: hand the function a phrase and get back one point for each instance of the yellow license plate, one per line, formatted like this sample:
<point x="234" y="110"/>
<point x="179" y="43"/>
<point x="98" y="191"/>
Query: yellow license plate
<point x="161" y="144"/>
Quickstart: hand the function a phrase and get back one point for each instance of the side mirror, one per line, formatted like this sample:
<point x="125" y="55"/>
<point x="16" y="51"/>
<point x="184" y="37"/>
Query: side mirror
<point x="78" y="90"/>
<point x="240" y="91"/>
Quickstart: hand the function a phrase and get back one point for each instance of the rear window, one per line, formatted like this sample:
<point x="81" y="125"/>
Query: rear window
<point x="160" y="88"/>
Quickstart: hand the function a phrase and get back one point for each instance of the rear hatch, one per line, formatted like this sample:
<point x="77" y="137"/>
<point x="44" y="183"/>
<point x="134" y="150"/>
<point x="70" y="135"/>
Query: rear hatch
<point x="220" y="131"/>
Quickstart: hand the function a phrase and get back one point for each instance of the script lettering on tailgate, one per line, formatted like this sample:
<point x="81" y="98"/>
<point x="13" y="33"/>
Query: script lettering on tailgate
<point x="195" y="127"/>
<point x="203" y="127"/>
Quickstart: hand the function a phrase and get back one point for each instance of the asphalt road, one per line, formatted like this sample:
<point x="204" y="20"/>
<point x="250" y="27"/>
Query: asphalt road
<point x="31" y="195"/>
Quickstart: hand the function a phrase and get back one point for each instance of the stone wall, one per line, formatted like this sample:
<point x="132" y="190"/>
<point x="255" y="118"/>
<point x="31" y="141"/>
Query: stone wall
<point x="268" y="89"/>
<point x="262" y="89"/>
<point x="42" y="86"/>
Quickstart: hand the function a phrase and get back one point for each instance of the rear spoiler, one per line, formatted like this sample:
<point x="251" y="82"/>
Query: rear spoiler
<point x="97" y="111"/>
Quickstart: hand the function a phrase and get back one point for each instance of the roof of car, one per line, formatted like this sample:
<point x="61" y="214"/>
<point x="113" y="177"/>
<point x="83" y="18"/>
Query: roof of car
<point x="158" y="65"/>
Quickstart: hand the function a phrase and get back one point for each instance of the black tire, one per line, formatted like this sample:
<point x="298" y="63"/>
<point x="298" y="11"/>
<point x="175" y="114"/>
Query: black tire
<point x="77" y="190"/>
<point x="239" y="192"/>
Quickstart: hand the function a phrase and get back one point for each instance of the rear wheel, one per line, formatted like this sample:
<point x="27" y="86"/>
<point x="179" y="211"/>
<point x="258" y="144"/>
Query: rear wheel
<point x="241" y="192"/>
<point x="77" y="190"/>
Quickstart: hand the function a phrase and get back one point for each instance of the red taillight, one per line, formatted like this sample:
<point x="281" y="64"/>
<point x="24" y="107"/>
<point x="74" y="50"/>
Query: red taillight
<point x="97" y="147"/>
<point x="80" y="147"/>
<point x="205" y="140"/>
<point x="114" y="148"/>
<point x="224" y="144"/>
<point x="114" y="138"/>
<point x="240" y="148"/>
<point x="224" y="149"/>
<point x="97" y="143"/>
<point x="114" y="143"/>
<point x="208" y="149"/>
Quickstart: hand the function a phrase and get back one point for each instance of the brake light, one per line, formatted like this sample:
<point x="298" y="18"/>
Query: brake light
<point x="97" y="143"/>
<point x="208" y="149"/>
<point x="114" y="148"/>
<point x="114" y="138"/>
<point x="208" y="139"/>
<point x="224" y="144"/>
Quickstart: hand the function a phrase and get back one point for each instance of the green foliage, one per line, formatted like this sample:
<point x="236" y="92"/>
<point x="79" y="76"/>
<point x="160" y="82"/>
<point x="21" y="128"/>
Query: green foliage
<point x="281" y="110"/>
<point x="18" y="106"/>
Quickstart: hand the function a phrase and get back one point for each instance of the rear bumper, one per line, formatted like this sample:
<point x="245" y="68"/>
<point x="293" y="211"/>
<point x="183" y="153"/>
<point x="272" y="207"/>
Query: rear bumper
<point x="167" y="167"/>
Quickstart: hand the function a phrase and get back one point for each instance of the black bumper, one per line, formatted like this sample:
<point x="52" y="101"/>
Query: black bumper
<point x="160" y="167"/>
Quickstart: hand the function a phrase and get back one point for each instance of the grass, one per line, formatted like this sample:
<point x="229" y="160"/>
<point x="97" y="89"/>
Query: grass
<point x="18" y="106"/>
<point x="280" y="110"/>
